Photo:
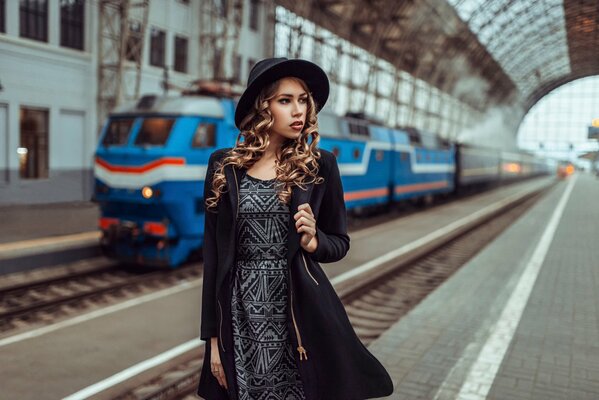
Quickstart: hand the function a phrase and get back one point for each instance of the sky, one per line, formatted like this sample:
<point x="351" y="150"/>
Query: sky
<point x="562" y="118"/>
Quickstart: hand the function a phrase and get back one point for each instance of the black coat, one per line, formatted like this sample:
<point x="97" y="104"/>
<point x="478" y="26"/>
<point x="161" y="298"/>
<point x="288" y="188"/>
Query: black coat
<point x="336" y="365"/>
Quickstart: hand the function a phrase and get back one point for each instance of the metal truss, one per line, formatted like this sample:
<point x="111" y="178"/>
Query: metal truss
<point x="219" y="39"/>
<point x="513" y="51"/>
<point x="122" y="29"/>
<point x="540" y="44"/>
<point x="362" y="80"/>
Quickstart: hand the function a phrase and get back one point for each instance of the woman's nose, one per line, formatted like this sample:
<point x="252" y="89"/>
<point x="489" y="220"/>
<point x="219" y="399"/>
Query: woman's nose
<point x="296" y="110"/>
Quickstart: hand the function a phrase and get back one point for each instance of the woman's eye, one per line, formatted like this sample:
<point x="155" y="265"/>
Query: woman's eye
<point x="282" y="101"/>
<point x="304" y="100"/>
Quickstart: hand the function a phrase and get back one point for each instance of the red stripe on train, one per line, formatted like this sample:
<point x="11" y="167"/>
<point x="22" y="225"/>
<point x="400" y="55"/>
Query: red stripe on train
<point x="380" y="192"/>
<point x="417" y="187"/>
<point x="141" y="168"/>
<point x="365" y="194"/>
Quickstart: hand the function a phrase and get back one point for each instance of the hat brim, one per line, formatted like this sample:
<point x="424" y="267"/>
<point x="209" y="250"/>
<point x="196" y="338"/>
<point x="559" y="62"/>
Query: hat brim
<point x="316" y="80"/>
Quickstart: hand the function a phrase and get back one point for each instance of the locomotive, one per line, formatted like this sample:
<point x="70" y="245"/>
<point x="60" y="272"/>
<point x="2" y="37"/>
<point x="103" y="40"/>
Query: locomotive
<point x="152" y="155"/>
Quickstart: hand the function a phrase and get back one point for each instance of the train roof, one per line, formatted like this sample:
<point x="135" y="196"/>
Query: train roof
<point x="206" y="106"/>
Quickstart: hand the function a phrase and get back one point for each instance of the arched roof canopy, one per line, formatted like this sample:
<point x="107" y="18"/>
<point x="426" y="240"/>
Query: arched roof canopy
<point x="521" y="49"/>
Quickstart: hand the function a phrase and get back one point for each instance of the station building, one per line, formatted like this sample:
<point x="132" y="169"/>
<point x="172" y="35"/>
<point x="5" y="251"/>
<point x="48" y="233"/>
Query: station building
<point x="54" y="81"/>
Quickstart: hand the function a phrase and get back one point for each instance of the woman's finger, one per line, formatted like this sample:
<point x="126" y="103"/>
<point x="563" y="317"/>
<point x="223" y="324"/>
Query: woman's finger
<point x="305" y="206"/>
<point x="217" y="369"/>
<point x="308" y="230"/>
<point x="304" y="221"/>
<point x="220" y="377"/>
<point x="304" y="214"/>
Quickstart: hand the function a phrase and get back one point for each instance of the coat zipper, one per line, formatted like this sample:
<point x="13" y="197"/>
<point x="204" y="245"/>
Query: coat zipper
<point x="301" y="350"/>
<point x="307" y="270"/>
<point x="220" y="327"/>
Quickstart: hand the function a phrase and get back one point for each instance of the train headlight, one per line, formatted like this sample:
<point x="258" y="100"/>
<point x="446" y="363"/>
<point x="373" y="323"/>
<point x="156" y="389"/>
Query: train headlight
<point x="147" y="192"/>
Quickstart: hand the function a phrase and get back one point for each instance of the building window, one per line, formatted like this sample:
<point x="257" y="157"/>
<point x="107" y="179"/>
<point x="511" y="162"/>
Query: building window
<point x="251" y="63"/>
<point x="216" y="64"/>
<point x="133" y="50"/>
<point x="33" y="147"/>
<point x="237" y="69"/>
<point x="180" y="54"/>
<point x="33" y="22"/>
<point x="71" y="24"/>
<point x="254" y="14"/>
<point x="157" y="43"/>
<point x="221" y="8"/>
<point x="2" y="17"/>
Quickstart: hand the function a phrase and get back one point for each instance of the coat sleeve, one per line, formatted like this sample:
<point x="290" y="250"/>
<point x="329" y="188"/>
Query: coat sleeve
<point x="208" y="325"/>
<point x="331" y="224"/>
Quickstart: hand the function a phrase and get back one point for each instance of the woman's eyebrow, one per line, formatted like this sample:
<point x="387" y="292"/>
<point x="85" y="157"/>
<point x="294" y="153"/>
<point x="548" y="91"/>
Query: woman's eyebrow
<point x="290" y="95"/>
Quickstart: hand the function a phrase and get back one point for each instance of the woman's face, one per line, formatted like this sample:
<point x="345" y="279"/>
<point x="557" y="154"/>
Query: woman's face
<point x="288" y="108"/>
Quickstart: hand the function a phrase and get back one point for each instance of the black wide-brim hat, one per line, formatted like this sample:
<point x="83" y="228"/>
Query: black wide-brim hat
<point x="272" y="69"/>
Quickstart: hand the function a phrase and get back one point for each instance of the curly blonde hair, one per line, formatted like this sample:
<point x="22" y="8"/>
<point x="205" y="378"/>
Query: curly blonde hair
<point x="297" y="163"/>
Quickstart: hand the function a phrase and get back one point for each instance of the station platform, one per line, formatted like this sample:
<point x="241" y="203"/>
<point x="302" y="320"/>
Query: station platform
<point x="519" y="321"/>
<point x="119" y="355"/>
<point x="35" y="236"/>
<point x="36" y="221"/>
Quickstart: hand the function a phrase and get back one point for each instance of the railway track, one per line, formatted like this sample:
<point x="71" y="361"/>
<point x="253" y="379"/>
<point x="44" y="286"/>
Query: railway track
<point x="104" y="282"/>
<point x="47" y="300"/>
<point x="372" y="309"/>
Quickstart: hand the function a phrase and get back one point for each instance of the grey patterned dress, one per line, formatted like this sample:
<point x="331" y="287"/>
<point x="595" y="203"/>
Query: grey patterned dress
<point x="264" y="363"/>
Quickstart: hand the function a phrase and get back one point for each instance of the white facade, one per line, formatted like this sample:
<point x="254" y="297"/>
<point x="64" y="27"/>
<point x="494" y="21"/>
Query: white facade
<point x="63" y="84"/>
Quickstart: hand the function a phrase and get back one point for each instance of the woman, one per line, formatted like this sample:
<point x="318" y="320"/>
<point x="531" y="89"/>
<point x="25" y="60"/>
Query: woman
<point x="273" y="324"/>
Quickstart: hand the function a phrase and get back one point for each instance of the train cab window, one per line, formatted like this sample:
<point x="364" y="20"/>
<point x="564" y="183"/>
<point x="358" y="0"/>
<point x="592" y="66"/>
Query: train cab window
<point x="117" y="132"/>
<point x="154" y="131"/>
<point x="204" y="135"/>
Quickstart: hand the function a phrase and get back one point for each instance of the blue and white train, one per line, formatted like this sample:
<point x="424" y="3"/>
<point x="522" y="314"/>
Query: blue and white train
<point x="151" y="159"/>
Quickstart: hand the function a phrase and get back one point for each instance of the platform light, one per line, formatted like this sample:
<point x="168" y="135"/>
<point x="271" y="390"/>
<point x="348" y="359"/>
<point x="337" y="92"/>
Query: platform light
<point x="595" y="123"/>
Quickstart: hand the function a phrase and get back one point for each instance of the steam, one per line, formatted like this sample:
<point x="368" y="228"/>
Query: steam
<point x="498" y="125"/>
<point x="497" y="128"/>
<point x="471" y="89"/>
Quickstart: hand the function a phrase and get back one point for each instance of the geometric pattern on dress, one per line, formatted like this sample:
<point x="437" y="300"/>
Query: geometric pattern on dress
<point x="264" y="364"/>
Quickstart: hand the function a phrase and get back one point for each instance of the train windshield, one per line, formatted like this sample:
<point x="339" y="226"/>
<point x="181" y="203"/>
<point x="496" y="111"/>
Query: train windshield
<point x="154" y="131"/>
<point x="118" y="132"/>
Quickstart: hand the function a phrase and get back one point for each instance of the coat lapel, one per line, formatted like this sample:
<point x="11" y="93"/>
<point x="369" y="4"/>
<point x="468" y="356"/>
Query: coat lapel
<point x="228" y="218"/>
<point x="298" y="196"/>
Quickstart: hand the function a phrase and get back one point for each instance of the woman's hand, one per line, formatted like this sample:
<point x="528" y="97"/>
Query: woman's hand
<point x="216" y="366"/>
<point x="306" y="223"/>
